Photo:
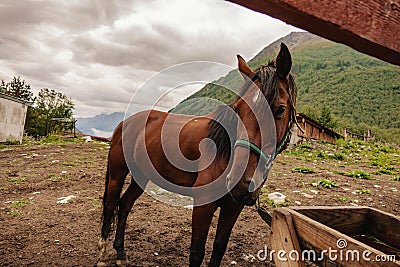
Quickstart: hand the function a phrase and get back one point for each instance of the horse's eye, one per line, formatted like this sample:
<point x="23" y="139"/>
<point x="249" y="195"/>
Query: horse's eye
<point x="279" y="112"/>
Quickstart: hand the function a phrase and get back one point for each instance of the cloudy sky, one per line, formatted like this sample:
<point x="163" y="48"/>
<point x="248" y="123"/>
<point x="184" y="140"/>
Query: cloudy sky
<point x="100" y="52"/>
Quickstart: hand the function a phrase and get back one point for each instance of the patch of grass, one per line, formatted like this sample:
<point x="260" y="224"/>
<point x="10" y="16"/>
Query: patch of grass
<point x="324" y="183"/>
<point x="54" y="178"/>
<point x="16" y="204"/>
<point x="396" y="178"/>
<point x="321" y="154"/>
<point x="338" y="156"/>
<point x="306" y="146"/>
<point x="8" y="143"/>
<point x="303" y="170"/>
<point x="377" y="163"/>
<point x="346" y="144"/>
<point x="343" y="199"/>
<point x="68" y="164"/>
<point x="272" y="203"/>
<point x="359" y="174"/>
<point x="15" y="213"/>
<point x="385" y="149"/>
<point x="385" y="171"/>
<point x="364" y="191"/>
<point x="16" y="180"/>
<point x="3" y="189"/>
<point x="56" y="140"/>
<point x="346" y="199"/>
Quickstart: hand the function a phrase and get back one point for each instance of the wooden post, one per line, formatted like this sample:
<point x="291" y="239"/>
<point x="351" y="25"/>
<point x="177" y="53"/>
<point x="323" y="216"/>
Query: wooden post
<point x="284" y="239"/>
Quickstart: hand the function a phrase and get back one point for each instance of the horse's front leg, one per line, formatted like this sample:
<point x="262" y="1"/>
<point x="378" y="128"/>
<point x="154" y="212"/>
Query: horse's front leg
<point x="228" y="215"/>
<point x="201" y="220"/>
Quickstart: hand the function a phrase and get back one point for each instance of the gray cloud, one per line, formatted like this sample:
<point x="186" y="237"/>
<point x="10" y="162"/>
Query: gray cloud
<point x="100" y="52"/>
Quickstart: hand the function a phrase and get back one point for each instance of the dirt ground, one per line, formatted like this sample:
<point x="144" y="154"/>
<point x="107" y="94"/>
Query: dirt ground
<point x="38" y="231"/>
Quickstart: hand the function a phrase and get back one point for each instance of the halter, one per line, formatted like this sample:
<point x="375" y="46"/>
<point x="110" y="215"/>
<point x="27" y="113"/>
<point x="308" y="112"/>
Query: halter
<point x="263" y="156"/>
<point x="267" y="160"/>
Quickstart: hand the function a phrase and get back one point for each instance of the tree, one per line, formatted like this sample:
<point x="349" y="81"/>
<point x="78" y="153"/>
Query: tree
<point x="49" y="104"/>
<point x="17" y="88"/>
<point x="326" y="118"/>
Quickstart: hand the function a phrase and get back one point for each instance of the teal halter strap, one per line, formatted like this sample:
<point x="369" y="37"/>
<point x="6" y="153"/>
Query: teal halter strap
<point x="254" y="148"/>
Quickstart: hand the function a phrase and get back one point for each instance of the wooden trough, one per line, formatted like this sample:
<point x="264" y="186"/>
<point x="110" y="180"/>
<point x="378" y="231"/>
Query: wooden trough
<point x="334" y="236"/>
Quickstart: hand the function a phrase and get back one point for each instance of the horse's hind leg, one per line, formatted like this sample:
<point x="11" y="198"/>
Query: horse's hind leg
<point x="125" y="205"/>
<point x="115" y="177"/>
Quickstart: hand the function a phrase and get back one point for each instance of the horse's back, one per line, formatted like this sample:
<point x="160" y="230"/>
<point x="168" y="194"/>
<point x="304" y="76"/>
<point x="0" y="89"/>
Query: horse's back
<point x="158" y="141"/>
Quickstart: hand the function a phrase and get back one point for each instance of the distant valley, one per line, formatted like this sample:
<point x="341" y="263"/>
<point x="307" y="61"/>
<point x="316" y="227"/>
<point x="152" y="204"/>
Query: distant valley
<point x="100" y="125"/>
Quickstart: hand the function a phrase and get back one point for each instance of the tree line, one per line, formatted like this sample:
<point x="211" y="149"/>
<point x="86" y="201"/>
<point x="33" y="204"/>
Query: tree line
<point x="47" y="104"/>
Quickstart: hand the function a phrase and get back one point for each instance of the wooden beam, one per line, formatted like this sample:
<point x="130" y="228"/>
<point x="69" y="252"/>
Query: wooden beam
<point x="371" y="27"/>
<point x="283" y="238"/>
<point x="318" y="237"/>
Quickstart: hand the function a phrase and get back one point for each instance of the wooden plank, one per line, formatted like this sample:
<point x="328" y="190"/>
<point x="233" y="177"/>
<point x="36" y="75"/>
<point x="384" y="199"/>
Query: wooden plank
<point x="371" y="27"/>
<point x="384" y="226"/>
<point x="348" y="220"/>
<point x="324" y="238"/>
<point x="315" y="133"/>
<point x="283" y="238"/>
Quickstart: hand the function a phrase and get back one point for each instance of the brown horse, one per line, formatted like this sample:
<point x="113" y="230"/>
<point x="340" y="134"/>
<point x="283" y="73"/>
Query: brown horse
<point x="221" y="159"/>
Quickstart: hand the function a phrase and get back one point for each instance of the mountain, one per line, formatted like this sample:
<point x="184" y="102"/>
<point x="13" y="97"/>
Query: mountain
<point x="100" y="125"/>
<point x="359" y="91"/>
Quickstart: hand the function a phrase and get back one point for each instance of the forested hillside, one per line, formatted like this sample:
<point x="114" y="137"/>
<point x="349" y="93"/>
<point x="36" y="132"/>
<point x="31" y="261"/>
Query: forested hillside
<point x="359" y="91"/>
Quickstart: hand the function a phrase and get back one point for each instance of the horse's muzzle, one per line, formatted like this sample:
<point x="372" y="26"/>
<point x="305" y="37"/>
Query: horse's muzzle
<point x="244" y="193"/>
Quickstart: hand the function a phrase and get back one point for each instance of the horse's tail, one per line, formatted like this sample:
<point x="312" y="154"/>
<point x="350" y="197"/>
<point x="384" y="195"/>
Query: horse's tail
<point x="110" y="203"/>
<point x="105" y="195"/>
<point x="106" y="183"/>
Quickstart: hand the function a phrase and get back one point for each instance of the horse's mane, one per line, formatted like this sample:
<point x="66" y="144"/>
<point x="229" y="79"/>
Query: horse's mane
<point x="224" y="122"/>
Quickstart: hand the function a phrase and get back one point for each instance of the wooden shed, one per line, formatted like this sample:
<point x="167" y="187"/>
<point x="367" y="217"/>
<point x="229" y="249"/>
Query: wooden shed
<point x="12" y="118"/>
<point x="313" y="130"/>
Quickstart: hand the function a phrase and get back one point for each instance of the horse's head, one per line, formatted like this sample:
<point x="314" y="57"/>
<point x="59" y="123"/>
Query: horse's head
<point x="254" y="151"/>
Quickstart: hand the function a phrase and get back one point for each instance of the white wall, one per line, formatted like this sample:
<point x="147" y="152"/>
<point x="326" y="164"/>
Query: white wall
<point x="12" y="119"/>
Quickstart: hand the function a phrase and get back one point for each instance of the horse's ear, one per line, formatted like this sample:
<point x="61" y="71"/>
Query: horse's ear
<point x="244" y="68"/>
<point x="283" y="62"/>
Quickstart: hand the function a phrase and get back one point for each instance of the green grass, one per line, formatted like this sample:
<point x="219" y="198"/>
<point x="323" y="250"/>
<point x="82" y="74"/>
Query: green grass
<point x="343" y="199"/>
<point x="359" y="174"/>
<point x="69" y="164"/>
<point x="338" y="156"/>
<point x="324" y="183"/>
<point x="272" y="203"/>
<point x="16" y="204"/>
<point x="16" y="180"/>
<point x="303" y="170"/>
<point x="54" y="178"/>
<point x="396" y="178"/>
<point x="346" y="199"/>
<point x="364" y="191"/>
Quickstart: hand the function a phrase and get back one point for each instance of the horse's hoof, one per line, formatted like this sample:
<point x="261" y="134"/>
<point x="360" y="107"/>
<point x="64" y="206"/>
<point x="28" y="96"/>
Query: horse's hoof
<point x="101" y="264"/>
<point x="122" y="263"/>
